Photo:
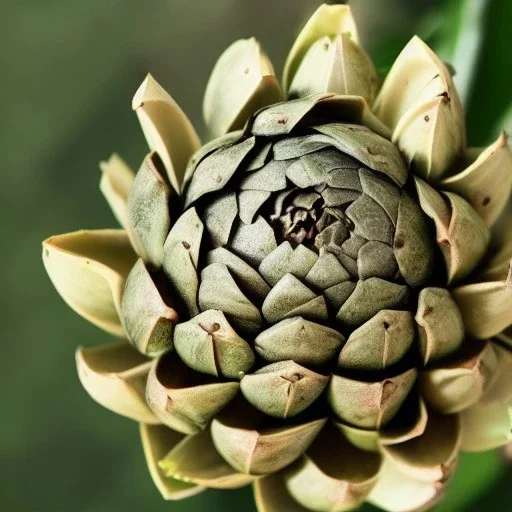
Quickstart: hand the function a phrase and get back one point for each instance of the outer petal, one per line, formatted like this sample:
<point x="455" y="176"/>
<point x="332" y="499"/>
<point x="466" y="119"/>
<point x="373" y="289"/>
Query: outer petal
<point x="486" y="307"/>
<point x="183" y="399"/>
<point x="328" y="20"/>
<point x="488" y="424"/>
<point x="241" y="82"/>
<point x="334" y="475"/>
<point x="271" y="495"/>
<point x="115" y="377"/>
<point x="487" y="182"/>
<point x="398" y="491"/>
<point x="340" y="66"/>
<point x="432" y="456"/>
<point x="157" y="441"/>
<point x="418" y="101"/>
<point x="115" y="184"/>
<point x="167" y="129"/>
<point x="196" y="460"/>
<point x="461" y="233"/>
<point x="88" y="269"/>
<point x="250" y="446"/>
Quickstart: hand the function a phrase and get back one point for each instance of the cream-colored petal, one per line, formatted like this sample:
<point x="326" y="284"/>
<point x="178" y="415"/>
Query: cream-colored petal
<point x="497" y="266"/>
<point x="157" y="441"/>
<point x="487" y="182"/>
<point x="398" y="491"/>
<point x="115" y="184"/>
<point x="419" y="102"/>
<point x="195" y="460"/>
<point x="488" y="424"/>
<point x="88" y="269"/>
<point x="336" y="65"/>
<point x="328" y="20"/>
<point x="167" y="129"/>
<point x="431" y="457"/>
<point x="271" y="495"/>
<point x="461" y="233"/>
<point x="242" y="82"/>
<point x="115" y="376"/>
<point x="486" y="307"/>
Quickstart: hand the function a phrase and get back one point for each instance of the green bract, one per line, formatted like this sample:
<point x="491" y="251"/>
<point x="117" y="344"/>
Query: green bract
<point x="317" y="299"/>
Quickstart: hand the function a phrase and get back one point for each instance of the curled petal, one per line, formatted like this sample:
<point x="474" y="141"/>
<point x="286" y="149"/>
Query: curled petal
<point x="240" y="436"/>
<point x="328" y="20"/>
<point x="487" y="182"/>
<point x="398" y="491"/>
<point x="488" y="424"/>
<point x="462" y="234"/>
<point x="440" y="325"/>
<point x="166" y="128"/>
<point x="88" y="269"/>
<point x="418" y="101"/>
<point x="149" y="217"/>
<point x="283" y="389"/>
<point x="336" y="65"/>
<point x="369" y="405"/>
<point x="431" y="457"/>
<point x="115" y="184"/>
<point x="271" y="495"/>
<point x="486" y="307"/>
<point x="241" y="83"/>
<point x="195" y="460"/>
<point x="181" y="255"/>
<point x="334" y="475"/>
<point x="115" y="376"/>
<point x="157" y="441"/>
<point x="452" y="386"/>
<point x="183" y="399"/>
<point x="148" y="312"/>
<point x="208" y="344"/>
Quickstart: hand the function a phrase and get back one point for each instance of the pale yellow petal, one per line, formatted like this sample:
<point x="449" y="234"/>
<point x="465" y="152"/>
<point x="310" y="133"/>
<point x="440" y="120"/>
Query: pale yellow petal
<point x="271" y="495"/>
<point x="397" y="491"/>
<point x="242" y="82"/>
<point x="336" y="65"/>
<point x="461" y="233"/>
<point x="488" y="424"/>
<point x="328" y="20"/>
<point x="115" y="184"/>
<point x="157" y="441"/>
<point x="419" y="102"/>
<point x="89" y="269"/>
<point x="487" y="182"/>
<point x="115" y="376"/>
<point x="167" y="129"/>
<point x="486" y="307"/>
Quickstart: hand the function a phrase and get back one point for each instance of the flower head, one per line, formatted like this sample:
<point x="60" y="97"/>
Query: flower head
<point x="317" y="299"/>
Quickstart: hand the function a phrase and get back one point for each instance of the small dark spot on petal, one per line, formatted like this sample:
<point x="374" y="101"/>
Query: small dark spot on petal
<point x="386" y="325"/>
<point x="427" y="118"/>
<point x="428" y="310"/>
<point x="399" y="241"/>
<point x="326" y="46"/>
<point x="246" y="71"/>
<point x="282" y="120"/>
<point x="185" y="244"/>
<point x="486" y="201"/>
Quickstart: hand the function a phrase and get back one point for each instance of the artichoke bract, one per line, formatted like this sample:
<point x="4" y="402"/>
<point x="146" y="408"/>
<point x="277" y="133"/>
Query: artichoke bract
<point x="317" y="300"/>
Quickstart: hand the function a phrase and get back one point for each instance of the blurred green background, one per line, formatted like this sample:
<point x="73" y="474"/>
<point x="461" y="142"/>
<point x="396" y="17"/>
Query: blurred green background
<point x="70" y="70"/>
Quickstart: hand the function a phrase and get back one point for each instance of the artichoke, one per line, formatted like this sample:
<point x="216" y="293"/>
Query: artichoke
<point x="317" y="300"/>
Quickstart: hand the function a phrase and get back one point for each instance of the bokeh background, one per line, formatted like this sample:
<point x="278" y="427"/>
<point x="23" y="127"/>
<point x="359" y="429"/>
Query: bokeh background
<point x="70" y="70"/>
